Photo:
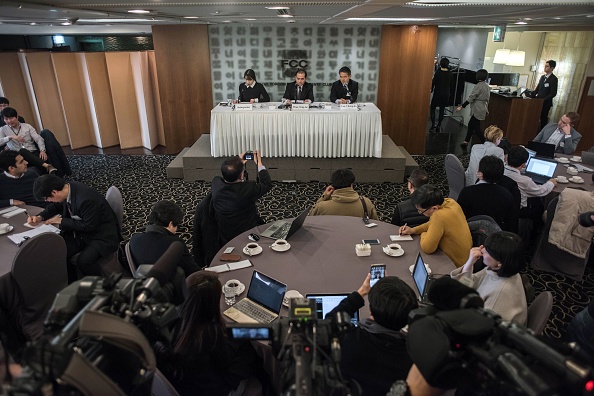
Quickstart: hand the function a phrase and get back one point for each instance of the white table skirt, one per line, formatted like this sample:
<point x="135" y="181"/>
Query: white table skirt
<point x="315" y="132"/>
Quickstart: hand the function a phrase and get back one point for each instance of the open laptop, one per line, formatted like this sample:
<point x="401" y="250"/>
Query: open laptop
<point x="545" y="150"/>
<point x="422" y="279"/>
<point x="263" y="302"/>
<point x="326" y="302"/>
<point x="587" y="158"/>
<point x="283" y="229"/>
<point x="540" y="170"/>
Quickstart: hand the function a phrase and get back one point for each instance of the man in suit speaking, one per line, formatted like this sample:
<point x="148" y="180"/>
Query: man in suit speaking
<point x="299" y="90"/>
<point x="344" y="90"/>
<point x="547" y="90"/>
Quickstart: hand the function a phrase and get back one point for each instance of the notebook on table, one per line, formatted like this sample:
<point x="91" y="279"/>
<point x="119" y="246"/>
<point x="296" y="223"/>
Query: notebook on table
<point x="540" y="170"/>
<point x="545" y="150"/>
<point x="326" y="302"/>
<point x="422" y="279"/>
<point x="283" y="229"/>
<point x="263" y="302"/>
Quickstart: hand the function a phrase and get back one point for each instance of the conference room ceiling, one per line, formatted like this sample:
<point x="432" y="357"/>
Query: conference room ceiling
<point x="80" y="16"/>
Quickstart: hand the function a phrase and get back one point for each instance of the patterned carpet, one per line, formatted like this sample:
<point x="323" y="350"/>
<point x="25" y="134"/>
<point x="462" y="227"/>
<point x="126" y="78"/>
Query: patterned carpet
<point x="142" y="181"/>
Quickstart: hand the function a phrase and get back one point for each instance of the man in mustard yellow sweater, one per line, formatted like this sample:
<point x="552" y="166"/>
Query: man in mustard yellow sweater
<point x="446" y="229"/>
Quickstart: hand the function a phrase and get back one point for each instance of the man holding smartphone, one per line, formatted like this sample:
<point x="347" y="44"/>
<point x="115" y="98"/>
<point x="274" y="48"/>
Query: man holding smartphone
<point x="378" y="340"/>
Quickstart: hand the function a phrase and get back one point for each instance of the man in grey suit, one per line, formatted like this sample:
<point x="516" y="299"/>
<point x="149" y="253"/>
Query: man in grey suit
<point x="562" y="134"/>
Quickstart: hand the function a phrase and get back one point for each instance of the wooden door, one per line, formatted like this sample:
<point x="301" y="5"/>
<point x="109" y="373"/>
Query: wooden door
<point x="586" y="124"/>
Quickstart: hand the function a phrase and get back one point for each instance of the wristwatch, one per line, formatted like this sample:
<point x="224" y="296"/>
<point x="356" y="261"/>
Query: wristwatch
<point x="399" y="388"/>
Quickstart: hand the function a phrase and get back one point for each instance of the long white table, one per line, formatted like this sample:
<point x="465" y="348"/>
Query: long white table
<point x="319" y="133"/>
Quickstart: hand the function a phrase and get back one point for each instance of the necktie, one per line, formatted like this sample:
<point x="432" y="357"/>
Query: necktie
<point x="299" y="93"/>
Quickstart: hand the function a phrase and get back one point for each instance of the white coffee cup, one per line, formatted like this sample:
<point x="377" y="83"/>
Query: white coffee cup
<point x="563" y="159"/>
<point x="252" y="248"/>
<point x="561" y="179"/>
<point x="281" y="244"/>
<point x="572" y="171"/>
<point x="4" y="227"/>
<point x="576" y="158"/>
<point x="393" y="248"/>
<point x="577" y="179"/>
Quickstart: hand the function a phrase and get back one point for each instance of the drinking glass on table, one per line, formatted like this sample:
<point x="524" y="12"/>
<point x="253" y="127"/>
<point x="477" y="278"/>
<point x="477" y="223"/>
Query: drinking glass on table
<point x="229" y="294"/>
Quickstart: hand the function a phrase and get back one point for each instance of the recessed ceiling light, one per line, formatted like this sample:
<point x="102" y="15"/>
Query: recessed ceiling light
<point x="227" y="21"/>
<point x="139" y="11"/>
<point x="33" y="23"/>
<point x="66" y="23"/>
<point x="557" y="18"/>
<point x="391" y="19"/>
<point x="191" y="17"/>
<point x="590" y="16"/>
<point x="116" y="20"/>
<point x="250" y="19"/>
<point x="521" y="23"/>
<point x="286" y="16"/>
<point x="278" y="7"/>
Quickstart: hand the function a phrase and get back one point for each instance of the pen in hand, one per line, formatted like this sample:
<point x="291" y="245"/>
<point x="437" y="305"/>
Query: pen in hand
<point x="400" y="230"/>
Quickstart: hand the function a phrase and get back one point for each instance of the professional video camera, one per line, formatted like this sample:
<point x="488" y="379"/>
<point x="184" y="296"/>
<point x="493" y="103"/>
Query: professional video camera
<point x="309" y="349"/>
<point x="99" y="336"/>
<point x="456" y="343"/>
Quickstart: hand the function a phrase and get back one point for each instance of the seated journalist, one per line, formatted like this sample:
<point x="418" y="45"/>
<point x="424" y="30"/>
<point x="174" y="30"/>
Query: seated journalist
<point x="562" y="134"/>
<point x="405" y="212"/>
<point x="374" y="354"/>
<point x="446" y="229"/>
<point x="16" y="182"/>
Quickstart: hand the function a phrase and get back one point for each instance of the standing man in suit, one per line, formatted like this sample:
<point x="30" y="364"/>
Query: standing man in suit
<point x="547" y="90"/>
<point x="344" y="90"/>
<point x="299" y="90"/>
<point x="562" y="134"/>
<point x="89" y="225"/>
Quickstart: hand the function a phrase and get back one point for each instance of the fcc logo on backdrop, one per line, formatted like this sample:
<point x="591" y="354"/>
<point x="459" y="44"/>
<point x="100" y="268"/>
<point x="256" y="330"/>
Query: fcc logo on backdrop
<point x="292" y="60"/>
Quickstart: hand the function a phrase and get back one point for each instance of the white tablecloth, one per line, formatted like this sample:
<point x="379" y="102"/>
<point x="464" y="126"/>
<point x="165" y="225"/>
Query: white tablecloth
<point x="321" y="133"/>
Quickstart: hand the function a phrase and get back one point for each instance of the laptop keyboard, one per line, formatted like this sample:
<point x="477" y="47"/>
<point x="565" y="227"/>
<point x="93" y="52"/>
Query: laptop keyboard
<point x="540" y="179"/>
<point x="281" y="232"/>
<point x="254" y="312"/>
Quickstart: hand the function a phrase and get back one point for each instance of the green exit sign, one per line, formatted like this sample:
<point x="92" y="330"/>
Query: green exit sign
<point x="499" y="34"/>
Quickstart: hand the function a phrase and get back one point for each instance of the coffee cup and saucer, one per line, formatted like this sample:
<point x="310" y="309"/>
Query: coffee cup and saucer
<point x="280" y="245"/>
<point x="394" y="250"/>
<point x="572" y="171"/>
<point x="289" y="295"/>
<point x="576" y="158"/>
<point x="576" y="179"/>
<point x="252" y="249"/>
<point x="5" y="228"/>
<point x="562" y="179"/>
<point x="563" y="160"/>
<point x="236" y="285"/>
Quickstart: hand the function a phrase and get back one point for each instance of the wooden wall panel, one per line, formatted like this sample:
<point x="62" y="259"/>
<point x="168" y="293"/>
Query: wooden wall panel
<point x="156" y="97"/>
<point x="123" y="93"/>
<point x="585" y="126"/>
<point x="105" y="125"/>
<point x="144" y="95"/>
<point x="72" y="91"/>
<point x="406" y="71"/>
<point x="49" y="103"/>
<point x="183" y="70"/>
<point x="14" y="88"/>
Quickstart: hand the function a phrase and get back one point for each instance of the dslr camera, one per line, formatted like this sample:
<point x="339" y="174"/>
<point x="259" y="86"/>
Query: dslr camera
<point x="249" y="155"/>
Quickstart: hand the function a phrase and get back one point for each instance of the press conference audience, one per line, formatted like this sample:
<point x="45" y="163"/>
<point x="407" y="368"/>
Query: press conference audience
<point x="374" y="353"/>
<point x="446" y="229"/>
<point x="201" y="360"/>
<point x="4" y="103"/>
<point x="499" y="284"/>
<point x="581" y="330"/>
<point x="252" y="91"/>
<point x="16" y="182"/>
<point x="488" y="198"/>
<point x="405" y="212"/>
<point x="234" y="197"/>
<point x="341" y="199"/>
<point x="493" y="136"/>
<point x="345" y="90"/>
<point x="561" y="134"/>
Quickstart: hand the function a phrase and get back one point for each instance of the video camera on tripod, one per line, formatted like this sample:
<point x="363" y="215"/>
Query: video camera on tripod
<point x="99" y="338"/>
<point x="457" y="344"/>
<point x="309" y="349"/>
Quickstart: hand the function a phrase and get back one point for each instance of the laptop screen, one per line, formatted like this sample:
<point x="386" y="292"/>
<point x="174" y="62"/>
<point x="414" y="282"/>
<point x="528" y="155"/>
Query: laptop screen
<point x="541" y="167"/>
<point x="420" y="275"/>
<point x="326" y="302"/>
<point x="266" y="291"/>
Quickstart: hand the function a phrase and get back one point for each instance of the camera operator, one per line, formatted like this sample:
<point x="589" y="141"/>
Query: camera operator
<point x="581" y="330"/>
<point x="234" y="197"/>
<point x="374" y="354"/>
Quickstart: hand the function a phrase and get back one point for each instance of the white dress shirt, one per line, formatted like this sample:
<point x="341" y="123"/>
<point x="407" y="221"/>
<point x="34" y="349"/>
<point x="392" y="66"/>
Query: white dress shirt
<point x="527" y="186"/>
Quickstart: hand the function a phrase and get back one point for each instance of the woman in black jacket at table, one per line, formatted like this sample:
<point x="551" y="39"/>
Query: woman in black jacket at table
<point x="252" y="91"/>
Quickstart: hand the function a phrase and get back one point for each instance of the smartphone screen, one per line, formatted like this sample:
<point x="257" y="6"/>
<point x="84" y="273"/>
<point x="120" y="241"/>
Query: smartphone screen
<point x="377" y="271"/>
<point x="371" y="241"/>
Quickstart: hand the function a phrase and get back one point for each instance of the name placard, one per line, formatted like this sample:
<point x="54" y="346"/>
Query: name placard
<point x="300" y="106"/>
<point x="349" y="106"/>
<point x="244" y="106"/>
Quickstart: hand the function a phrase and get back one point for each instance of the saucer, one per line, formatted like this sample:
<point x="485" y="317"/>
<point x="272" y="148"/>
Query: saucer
<point x="571" y="179"/>
<point x="240" y="288"/>
<point x="290" y="294"/>
<point x="277" y="248"/>
<point x="576" y="160"/>
<point x="562" y="182"/>
<point x="563" y="160"/>
<point x="254" y="253"/>
<point x="397" y="253"/>
<point x="413" y="267"/>
<point x="10" y="228"/>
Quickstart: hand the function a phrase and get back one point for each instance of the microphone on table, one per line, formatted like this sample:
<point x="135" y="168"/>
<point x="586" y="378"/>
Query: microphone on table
<point x="448" y="294"/>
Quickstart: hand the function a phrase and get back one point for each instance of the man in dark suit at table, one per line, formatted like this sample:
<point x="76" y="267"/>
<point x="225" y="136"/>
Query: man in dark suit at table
<point x="547" y="90"/>
<point x="89" y="225"/>
<point x="377" y="341"/>
<point x="234" y="198"/>
<point x="561" y="134"/>
<point x="300" y="89"/>
<point x="344" y="90"/>
<point x="16" y="182"/>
